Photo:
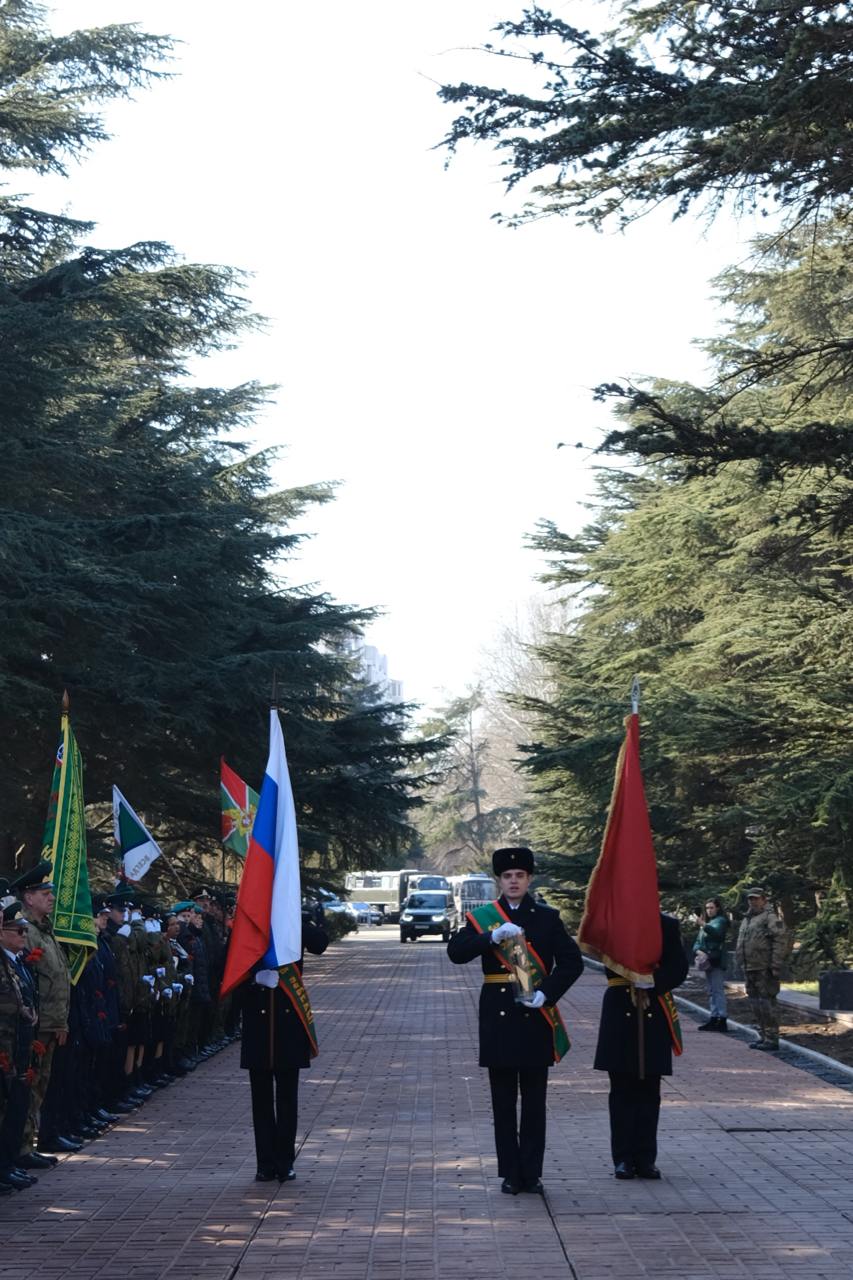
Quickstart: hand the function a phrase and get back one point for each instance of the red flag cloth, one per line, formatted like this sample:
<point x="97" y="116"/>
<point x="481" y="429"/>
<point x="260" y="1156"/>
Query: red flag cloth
<point x="621" y="919"/>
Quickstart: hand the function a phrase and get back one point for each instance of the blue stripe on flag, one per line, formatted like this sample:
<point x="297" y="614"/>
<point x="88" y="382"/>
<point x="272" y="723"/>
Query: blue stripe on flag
<point x="263" y="832"/>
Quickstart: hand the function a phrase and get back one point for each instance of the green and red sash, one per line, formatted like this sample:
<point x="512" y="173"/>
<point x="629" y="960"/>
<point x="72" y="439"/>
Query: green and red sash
<point x="488" y="917"/>
<point x="290" y="981"/>
<point x="667" y="1004"/>
<point x="670" y="1012"/>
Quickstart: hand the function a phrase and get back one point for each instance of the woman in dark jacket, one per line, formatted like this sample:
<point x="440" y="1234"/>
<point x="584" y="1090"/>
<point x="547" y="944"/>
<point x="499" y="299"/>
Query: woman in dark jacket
<point x="709" y="952"/>
<point x="275" y="1047"/>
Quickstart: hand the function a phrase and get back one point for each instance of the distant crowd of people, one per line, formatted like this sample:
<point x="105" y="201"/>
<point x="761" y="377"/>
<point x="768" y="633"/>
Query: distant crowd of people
<point x="75" y="1057"/>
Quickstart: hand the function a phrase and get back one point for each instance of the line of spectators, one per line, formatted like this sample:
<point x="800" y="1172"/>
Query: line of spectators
<point x="145" y="1011"/>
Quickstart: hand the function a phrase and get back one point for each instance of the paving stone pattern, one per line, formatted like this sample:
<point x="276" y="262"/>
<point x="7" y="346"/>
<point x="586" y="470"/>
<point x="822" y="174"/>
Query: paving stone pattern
<point x="396" y="1172"/>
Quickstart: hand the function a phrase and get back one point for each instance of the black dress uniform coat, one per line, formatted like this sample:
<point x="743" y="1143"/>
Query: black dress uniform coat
<point x="510" y="1035"/>
<point x="283" y="1043"/>
<point x="274" y="1049"/>
<point x="617" y="1033"/>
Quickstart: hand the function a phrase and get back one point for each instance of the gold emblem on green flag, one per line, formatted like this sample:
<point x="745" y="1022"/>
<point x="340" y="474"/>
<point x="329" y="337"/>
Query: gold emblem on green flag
<point x="65" y="847"/>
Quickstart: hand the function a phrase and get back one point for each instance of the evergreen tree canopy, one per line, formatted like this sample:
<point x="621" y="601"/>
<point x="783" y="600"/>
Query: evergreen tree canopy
<point x="143" y="550"/>
<point x="736" y="616"/>
<point x="782" y="393"/>
<point x="679" y="102"/>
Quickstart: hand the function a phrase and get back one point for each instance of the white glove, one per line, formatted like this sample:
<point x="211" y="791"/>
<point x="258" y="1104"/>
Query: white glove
<point x="149" y="978"/>
<point x="189" y="978"/>
<point x="267" y="978"/>
<point x="124" y="930"/>
<point x="535" y="1001"/>
<point x="175" y="961"/>
<point x="644" y="986"/>
<point x="161" y="972"/>
<point x="507" y="930"/>
<point x="167" y="993"/>
<point x="178" y="986"/>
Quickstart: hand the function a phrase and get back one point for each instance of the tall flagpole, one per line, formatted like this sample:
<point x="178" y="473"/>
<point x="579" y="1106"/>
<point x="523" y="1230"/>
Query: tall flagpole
<point x="640" y="997"/>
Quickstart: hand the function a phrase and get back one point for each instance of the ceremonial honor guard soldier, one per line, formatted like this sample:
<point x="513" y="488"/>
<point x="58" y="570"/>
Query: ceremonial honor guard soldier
<point x="278" y="1042"/>
<point x="519" y="1040"/>
<point x="637" y="1035"/>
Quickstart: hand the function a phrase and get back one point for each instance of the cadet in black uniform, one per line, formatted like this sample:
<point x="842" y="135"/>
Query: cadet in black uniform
<point x="516" y="1042"/>
<point x="274" y="1049"/>
<point x="635" y="1102"/>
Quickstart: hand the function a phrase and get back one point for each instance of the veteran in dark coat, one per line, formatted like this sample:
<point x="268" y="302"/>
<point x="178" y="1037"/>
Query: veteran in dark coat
<point x="274" y="1048"/>
<point x="516" y="1041"/>
<point x="634" y="1100"/>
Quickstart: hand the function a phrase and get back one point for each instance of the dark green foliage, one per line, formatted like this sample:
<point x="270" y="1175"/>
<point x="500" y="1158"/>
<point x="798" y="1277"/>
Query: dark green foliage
<point x="784" y="377"/>
<point x="143" y="552"/>
<point x="680" y="102"/>
<point x="735" y="613"/>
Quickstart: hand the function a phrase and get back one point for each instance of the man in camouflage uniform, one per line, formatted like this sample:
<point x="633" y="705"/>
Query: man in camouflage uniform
<point x="762" y="947"/>
<point x="54" y="993"/>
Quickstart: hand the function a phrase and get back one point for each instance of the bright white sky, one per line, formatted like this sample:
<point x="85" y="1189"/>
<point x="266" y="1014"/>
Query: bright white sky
<point x="427" y="359"/>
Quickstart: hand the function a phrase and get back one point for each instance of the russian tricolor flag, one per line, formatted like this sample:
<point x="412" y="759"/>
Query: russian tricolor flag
<point x="268" y="917"/>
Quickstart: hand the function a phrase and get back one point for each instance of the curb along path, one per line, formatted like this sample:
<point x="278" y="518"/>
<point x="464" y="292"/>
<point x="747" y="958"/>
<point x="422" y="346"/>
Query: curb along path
<point x="396" y="1175"/>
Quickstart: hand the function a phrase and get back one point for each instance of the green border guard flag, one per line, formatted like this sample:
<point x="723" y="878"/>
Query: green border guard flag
<point x="137" y="847"/>
<point x="65" y="847"/>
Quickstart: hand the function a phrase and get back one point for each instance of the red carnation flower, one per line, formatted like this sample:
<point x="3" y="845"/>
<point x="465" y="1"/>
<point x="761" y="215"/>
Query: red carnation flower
<point x="5" y="1063"/>
<point x="33" y="957"/>
<point x="102" y="1015"/>
<point x="39" y="1049"/>
<point x="29" y="1075"/>
<point x="99" y="994"/>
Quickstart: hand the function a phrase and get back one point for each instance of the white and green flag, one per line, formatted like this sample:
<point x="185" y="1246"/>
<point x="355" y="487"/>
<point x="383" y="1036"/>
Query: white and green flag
<point x="137" y="848"/>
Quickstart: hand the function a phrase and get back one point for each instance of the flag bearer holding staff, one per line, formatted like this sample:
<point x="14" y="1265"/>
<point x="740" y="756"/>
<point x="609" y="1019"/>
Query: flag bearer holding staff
<point x="264" y="964"/>
<point x="518" y="1042"/>
<point x="641" y="948"/>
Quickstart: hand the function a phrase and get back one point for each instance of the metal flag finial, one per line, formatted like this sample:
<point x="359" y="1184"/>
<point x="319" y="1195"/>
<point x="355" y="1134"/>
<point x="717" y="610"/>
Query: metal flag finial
<point x="635" y="695"/>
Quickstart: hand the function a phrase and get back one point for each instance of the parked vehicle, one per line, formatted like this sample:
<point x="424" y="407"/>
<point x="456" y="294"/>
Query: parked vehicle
<point x="366" y="913"/>
<point x="335" y="904"/>
<point x="472" y="890"/>
<point x="388" y="890"/>
<point x="428" y="912"/>
<point x="381" y="889"/>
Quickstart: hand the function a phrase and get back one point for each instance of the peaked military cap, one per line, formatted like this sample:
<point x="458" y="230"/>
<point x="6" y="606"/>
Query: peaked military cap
<point x="38" y="877"/>
<point x="756" y="893"/>
<point x="201" y="892"/>
<point x="124" y="897"/>
<point x="520" y="859"/>
<point x="10" y="908"/>
<point x="101" y="906"/>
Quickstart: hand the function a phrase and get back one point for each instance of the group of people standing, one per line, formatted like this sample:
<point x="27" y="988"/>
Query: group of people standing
<point x="74" y="1057"/>
<point x="762" y="948"/>
<point x="145" y="1010"/>
<point x="638" y="1031"/>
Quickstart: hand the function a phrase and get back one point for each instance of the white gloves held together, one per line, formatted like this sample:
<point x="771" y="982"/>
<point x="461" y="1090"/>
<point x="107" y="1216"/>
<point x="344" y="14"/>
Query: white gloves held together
<point x="507" y="930"/>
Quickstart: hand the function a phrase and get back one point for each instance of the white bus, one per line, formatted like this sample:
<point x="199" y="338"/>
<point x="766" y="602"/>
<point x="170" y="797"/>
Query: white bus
<point x="385" y="890"/>
<point x="472" y="890"/>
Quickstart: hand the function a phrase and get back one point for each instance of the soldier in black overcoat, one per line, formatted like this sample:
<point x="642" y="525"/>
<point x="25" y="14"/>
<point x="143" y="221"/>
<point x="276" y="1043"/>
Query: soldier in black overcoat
<point x="516" y="1042"/>
<point x="634" y="1100"/>
<point x="274" y="1049"/>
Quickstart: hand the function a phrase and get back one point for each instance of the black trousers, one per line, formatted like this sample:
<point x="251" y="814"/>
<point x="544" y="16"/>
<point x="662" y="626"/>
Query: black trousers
<point x="275" y="1102"/>
<point x="520" y="1146"/>
<point x="17" y="1105"/>
<point x="634" y="1111"/>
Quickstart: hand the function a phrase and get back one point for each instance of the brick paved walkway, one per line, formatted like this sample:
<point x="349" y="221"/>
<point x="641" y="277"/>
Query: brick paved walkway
<point x="396" y="1174"/>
